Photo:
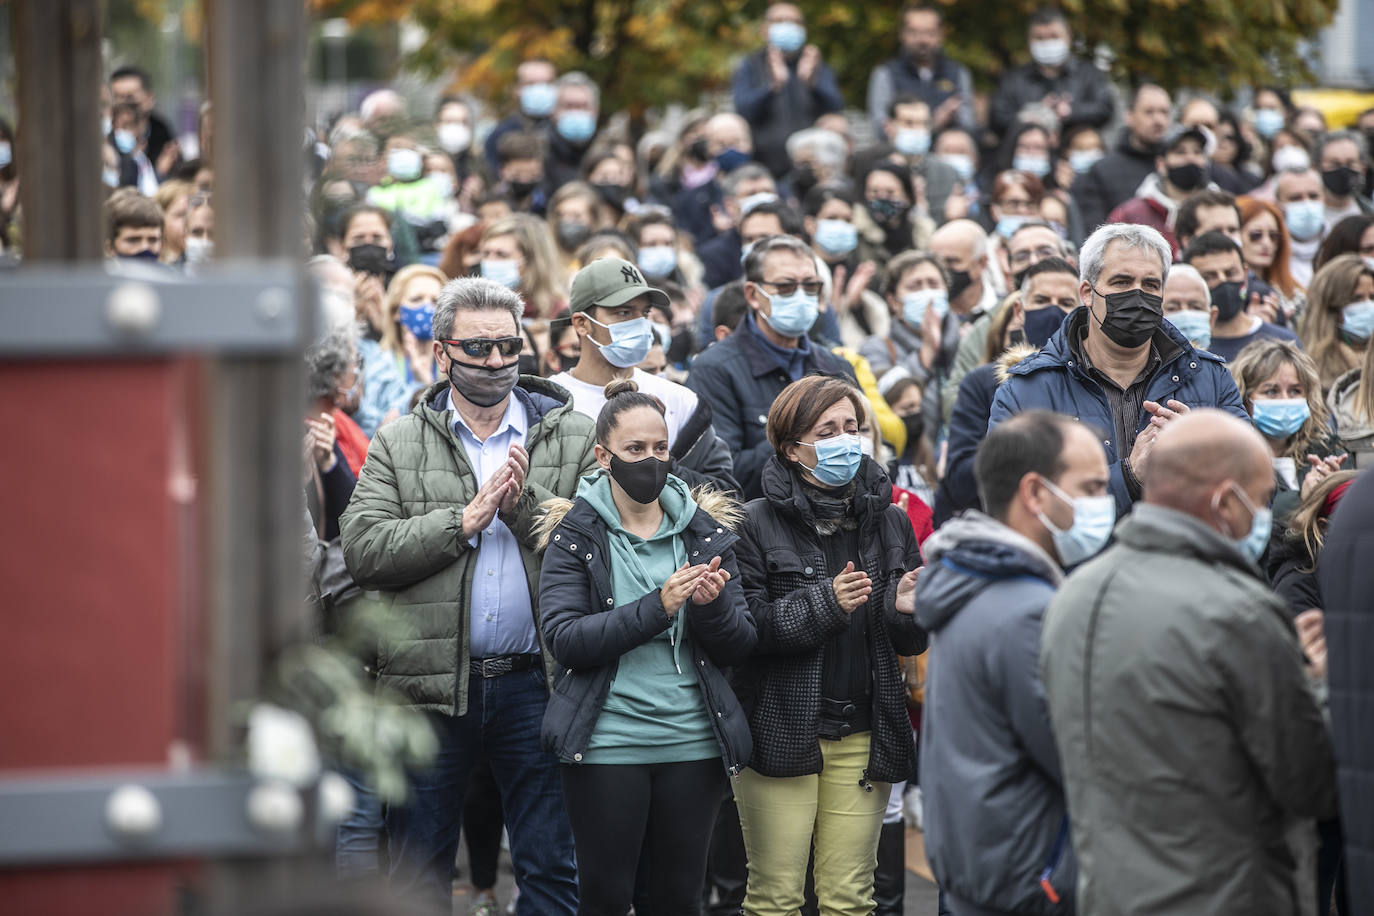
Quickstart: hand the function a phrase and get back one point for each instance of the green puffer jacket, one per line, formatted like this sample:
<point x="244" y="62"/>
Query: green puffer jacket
<point x="402" y="532"/>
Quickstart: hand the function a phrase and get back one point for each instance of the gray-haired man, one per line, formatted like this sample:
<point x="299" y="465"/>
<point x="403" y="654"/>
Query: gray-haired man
<point x="1115" y="363"/>
<point x="441" y="524"/>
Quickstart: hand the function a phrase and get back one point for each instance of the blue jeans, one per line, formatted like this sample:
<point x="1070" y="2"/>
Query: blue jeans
<point x="358" y="839"/>
<point x="502" y="722"/>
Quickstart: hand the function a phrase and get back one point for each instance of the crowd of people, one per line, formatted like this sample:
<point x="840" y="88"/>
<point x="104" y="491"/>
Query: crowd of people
<point x="715" y="471"/>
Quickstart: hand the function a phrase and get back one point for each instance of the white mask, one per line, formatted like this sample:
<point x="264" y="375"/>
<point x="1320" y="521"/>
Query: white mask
<point x="454" y="138"/>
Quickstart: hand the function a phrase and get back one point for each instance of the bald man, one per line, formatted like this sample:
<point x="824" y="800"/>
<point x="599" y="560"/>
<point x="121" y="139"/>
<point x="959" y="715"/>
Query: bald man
<point x="1194" y="751"/>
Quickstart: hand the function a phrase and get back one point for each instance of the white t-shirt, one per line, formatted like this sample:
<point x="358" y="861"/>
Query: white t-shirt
<point x="679" y="401"/>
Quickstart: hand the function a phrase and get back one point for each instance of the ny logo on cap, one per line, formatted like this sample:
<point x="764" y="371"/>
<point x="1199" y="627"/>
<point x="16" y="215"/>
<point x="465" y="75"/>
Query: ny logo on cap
<point x="631" y="275"/>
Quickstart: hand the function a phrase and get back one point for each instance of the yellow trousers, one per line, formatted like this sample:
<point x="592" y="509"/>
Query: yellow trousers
<point x="783" y="818"/>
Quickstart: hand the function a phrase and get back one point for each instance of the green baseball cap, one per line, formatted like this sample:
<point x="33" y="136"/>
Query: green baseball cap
<point x="609" y="282"/>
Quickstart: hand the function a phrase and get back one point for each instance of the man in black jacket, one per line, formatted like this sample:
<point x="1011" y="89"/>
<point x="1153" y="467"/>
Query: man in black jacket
<point x="742" y="375"/>
<point x="1115" y="177"/>
<point x="1075" y="90"/>
<point x="1347" y="581"/>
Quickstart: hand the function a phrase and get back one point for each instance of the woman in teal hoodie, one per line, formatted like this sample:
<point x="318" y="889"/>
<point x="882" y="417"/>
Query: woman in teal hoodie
<point x="640" y="602"/>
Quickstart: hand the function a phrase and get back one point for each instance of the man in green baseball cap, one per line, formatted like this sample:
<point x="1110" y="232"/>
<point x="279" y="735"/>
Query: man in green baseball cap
<point x="610" y="306"/>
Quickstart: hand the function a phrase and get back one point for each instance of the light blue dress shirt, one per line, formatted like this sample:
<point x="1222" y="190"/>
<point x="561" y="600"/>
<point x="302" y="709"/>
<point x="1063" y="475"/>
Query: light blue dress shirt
<point x="500" y="618"/>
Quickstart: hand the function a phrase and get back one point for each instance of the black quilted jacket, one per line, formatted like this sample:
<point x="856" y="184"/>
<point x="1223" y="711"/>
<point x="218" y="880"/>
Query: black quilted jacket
<point x="792" y="601"/>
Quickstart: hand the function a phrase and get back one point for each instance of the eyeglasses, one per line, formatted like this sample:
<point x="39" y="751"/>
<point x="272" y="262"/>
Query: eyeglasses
<point x="788" y="287"/>
<point x="1259" y="235"/>
<point x="1024" y="255"/>
<point x="480" y="347"/>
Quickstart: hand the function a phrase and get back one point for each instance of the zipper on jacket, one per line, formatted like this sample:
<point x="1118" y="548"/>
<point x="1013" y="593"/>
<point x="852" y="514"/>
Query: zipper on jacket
<point x="1055" y="855"/>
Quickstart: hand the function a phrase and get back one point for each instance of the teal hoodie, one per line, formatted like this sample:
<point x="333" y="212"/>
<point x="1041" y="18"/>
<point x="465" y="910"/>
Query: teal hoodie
<point x="654" y="712"/>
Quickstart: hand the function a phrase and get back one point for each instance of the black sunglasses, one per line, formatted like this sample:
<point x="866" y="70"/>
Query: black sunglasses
<point x="787" y="288"/>
<point x="480" y="347"/>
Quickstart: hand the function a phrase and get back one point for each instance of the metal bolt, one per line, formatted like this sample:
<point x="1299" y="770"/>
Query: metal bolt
<point x="272" y="303"/>
<point x="275" y="807"/>
<point x="132" y="812"/>
<point x="133" y="309"/>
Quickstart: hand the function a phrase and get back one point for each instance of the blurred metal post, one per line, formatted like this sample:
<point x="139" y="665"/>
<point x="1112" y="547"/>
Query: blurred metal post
<point x="57" y="43"/>
<point x="257" y="61"/>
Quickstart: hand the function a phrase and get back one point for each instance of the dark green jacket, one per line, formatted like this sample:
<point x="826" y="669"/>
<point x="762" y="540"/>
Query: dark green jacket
<point x="402" y="532"/>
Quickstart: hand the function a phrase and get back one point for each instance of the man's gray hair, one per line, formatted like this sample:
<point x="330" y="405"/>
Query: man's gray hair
<point x="578" y="78"/>
<point x="829" y="147"/>
<point x="1130" y="235"/>
<point x="325" y="361"/>
<point x="1189" y="271"/>
<point x="474" y="294"/>
<point x="1361" y="147"/>
<point x="753" y="265"/>
<point x="744" y="173"/>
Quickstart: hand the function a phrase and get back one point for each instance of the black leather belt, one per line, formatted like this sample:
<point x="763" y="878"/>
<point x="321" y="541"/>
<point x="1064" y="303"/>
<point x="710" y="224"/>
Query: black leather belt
<point x="842" y="718"/>
<point x="503" y="664"/>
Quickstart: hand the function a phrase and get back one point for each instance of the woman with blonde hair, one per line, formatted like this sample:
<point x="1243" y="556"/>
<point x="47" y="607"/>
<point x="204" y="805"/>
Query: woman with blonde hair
<point x="408" y="331"/>
<point x="174" y="199"/>
<point x="1280" y="390"/>
<point x="519" y="252"/>
<point x="1351" y="401"/>
<point x="1339" y="319"/>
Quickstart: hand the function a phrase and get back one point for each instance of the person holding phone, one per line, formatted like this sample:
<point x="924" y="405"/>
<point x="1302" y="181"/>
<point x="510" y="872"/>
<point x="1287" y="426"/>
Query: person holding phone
<point x="641" y="602"/>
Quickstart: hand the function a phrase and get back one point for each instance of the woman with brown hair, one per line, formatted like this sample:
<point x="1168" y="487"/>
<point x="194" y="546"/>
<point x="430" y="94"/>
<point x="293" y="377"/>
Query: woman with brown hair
<point x="822" y="557"/>
<point x="1266" y="247"/>
<point x="1339" y="319"/>
<point x="1279" y="387"/>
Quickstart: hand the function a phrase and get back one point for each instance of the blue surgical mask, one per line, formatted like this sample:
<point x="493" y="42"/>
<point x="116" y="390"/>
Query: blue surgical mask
<point x="1268" y="121"/>
<point x="912" y="141"/>
<point x="836" y="236"/>
<point x="1083" y="159"/>
<point x="576" y="126"/>
<point x="6" y="154"/>
<point x="658" y="260"/>
<point x="1261" y="523"/>
<point x="787" y="37"/>
<point x="1279" y="418"/>
<point x="1305" y="219"/>
<point x="418" y="320"/>
<point x="1194" y="325"/>
<point x="1357" y="319"/>
<point x="442" y="182"/>
<point x="1007" y="225"/>
<point x="962" y="165"/>
<point x="792" y="316"/>
<point x="631" y="341"/>
<point x="748" y="204"/>
<point x="110" y="177"/>
<point x="537" y="99"/>
<point x="915" y="304"/>
<point x="125" y="141"/>
<point x="404" y="164"/>
<point x="507" y="273"/>
<point x="1039" y="166"/>
<point x="1093" y="518"/>
<point x="837" y="459"/>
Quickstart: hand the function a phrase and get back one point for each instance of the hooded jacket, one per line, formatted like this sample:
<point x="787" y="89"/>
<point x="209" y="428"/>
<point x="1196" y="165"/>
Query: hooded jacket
<point x="589" y="633"/>
<point x="402" y="532"/>
<point x="1054" y="380"/>
<point x="994" y="802"/>
<point x="1189" y="737"/>
<point x="1356" y="431"/>
<point x="792" y="601"/>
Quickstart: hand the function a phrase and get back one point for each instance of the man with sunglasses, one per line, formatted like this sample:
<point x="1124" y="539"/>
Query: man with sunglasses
<point x="741" y="376"/>
<point x="610" y="303"/>
<point x="442" y="525"/>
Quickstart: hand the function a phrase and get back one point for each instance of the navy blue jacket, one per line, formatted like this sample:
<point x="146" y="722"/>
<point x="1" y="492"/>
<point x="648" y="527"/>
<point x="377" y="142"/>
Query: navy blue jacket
<point x="740" y="380"/>
<point x="968" y="424"/>
<point x="1054" y="380"/>
<point x="587" y="635"/>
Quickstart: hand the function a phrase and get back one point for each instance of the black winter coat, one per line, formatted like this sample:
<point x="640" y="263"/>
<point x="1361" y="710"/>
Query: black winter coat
<point x="1347" y="585"/>
<point x="793" y="604"/>
<point x="968" y="426"/>
<point x="587" y="635"/>
<point x="1112" y="180"/>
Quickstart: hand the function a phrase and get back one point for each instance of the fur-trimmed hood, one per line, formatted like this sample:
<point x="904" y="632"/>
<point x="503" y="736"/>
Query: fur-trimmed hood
<point x="1010" y="357"/>
<point x="727" y="511"/>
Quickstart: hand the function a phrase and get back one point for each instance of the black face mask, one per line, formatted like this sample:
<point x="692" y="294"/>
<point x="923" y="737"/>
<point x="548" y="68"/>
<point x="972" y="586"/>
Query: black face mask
<point x="888" y="213"/>
<point x="1340" y="181"/>
<point x="1187" y="177"/>
<point x="371" y="259"/>
<point x="959" y="280"/>
<point x="614" y="195"/>
<point x="915" y="429"/>
<point x="641" y="480"/>
<point x="1041" y="324"/>
<point x="522" y="189"/>
<point x="1229" y="298"/>
<point x="1133" y="316"/>
<point x="482" y="386"/>
<point x="571" y="234"/>
<point x="146" y="255"/>
<point x="803" y="179"/>
<point x="699" y="151"/>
